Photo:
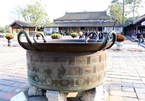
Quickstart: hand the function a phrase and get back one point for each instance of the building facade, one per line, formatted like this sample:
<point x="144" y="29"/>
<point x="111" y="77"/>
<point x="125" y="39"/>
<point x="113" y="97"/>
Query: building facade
<point x="77" y="21"/>
<point x="16" y="26"/>
<point x="138" y="24"/>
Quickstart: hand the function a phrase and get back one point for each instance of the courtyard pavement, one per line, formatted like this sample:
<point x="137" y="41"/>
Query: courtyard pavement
<point x="125" y="71"/>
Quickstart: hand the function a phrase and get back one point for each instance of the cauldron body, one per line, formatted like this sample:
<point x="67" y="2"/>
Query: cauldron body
<point x="66" y="72"/>
<point x="66" y="65"/>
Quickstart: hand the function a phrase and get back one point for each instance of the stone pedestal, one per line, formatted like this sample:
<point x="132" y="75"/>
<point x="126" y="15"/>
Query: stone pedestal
<point x="56" y="96"/>
<point x="99" y="93"/>
<point x="119" y="45"/>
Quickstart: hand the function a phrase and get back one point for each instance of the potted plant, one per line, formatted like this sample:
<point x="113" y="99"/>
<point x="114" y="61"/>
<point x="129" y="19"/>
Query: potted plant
<point x="9" y="36"/>
<point x="74" y="34"/>
<point x="56" y="36"/>
<point x="119" y="39"/>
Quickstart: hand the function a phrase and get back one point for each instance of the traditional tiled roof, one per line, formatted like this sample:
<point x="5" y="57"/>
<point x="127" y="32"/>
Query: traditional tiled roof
<point x="84" y="16"/>
<point x="84" y="19"/>
<point x="137" y="20"/>
<point x="140" y="19"/>
<point x="22" y="24"/>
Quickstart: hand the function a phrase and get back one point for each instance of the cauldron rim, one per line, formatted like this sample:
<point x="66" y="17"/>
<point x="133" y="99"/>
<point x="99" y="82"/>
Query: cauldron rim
<point x="65" y="47"/>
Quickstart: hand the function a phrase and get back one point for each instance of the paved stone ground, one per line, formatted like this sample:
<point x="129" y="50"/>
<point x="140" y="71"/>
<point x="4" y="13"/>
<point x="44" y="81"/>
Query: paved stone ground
<point x="125" y="71"/>
<point x="13" y="72"/>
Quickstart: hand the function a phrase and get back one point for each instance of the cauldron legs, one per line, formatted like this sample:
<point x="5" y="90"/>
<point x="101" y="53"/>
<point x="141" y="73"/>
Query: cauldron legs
<point x="56" y="96"/>
<point x="34" y="91"/>
<point x="97" y="94"/>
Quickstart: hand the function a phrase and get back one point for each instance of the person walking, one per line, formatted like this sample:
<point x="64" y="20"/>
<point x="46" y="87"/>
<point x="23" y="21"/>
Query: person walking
<point x="93" y="35"/>
<point x="139" y="37"/>
<point x="81" y="35"/>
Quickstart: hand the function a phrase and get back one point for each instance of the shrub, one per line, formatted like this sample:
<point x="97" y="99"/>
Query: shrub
<point x="9" y="36"/>
<point x="55" y="36"/>
<point x="74" y="34"/>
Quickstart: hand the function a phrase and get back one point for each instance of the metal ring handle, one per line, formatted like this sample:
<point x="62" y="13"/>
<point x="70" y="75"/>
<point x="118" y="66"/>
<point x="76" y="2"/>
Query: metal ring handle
<point x="27" y="37"/>
<point x="113" y="40"/>
<point x="38" y="33"/>
<point x="104" y="43"/>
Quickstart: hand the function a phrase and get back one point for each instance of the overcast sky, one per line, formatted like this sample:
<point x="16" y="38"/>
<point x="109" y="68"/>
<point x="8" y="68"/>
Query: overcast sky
<point x="55" y="8"/>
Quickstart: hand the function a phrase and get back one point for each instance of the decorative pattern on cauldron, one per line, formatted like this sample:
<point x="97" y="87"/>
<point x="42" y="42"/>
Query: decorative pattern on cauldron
<point x="66" y="65"/>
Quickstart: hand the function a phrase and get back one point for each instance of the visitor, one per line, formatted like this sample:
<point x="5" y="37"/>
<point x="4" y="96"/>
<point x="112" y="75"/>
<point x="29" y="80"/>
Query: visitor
<point x="81" y="35"/>
<point x="87" y="34"/>
<point x="93" y="35"/>
<point x="100" y="35"/>
<point x="139" y="37"/>
<point x="87" y="37"/>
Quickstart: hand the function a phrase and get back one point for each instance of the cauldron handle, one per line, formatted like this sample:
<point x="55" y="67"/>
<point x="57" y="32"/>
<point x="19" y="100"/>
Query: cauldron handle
<point x="106" y="41"/>
<point x="113" y="40"/>
<point x="38" y="33"/>
<point x="27" y="37"/>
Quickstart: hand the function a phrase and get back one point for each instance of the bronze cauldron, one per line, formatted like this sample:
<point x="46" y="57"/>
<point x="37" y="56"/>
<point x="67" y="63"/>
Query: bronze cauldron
<point x="66" y="65"/>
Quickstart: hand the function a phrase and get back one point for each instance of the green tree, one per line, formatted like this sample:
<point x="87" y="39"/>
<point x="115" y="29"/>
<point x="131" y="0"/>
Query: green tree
<point x="116" y="12"/>
<point x="36" y="14"/>
<point x="4" y="29"/>
<point x="115" y="1"/>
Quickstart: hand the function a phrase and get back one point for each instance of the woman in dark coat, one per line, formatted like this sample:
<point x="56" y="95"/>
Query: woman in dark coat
<point x="139" y="37"/>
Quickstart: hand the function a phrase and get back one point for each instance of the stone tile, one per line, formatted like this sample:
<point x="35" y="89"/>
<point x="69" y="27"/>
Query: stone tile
<point x="8" y="96"/>
<point x="115" y="80"/>
<point x="126" y="80"/>
<point x="127" y="89"/>
<point x="141" y="96"/>
<point x="142" y="75"/>
<point x="7" y="88"/>
<point x="6" y="82"/>
<point x="116" y="93"/>
<point x="116" y="98"/>
<point x="138" y="85"/>
<point x="141" y="99"/>
<point x="1" y="86"/>
<point x="129" y="94"/>
<point x="127" y="84"/>
<point x="7" y="77"/>
<point x="2" y="94"/>
<point x="115" y="86"/>
<point x="3" y="100"/>
<point x="137" y="81"/>
<point x="130" y="77"/>
<point x="140" y="90"/>
<point x="114" y="76"/>
<point x="143" y="80"/>
<point x="130" y="99"/>
<point x="17" y="84"/>
<point x="108" y="79"/>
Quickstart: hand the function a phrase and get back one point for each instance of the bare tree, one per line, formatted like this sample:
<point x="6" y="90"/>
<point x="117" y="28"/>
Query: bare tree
<point x="134" y="5"/>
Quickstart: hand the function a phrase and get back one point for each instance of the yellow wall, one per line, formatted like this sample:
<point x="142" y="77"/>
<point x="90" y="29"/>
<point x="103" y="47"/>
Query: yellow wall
<point x="15" y="30"/>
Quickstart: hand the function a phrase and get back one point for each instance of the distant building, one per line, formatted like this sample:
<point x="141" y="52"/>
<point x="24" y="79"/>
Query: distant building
<point x="16" y="26"/>
<point x="76" y="21"/>
<point x="49" y="29"/>
<point x="134" y="26"/>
